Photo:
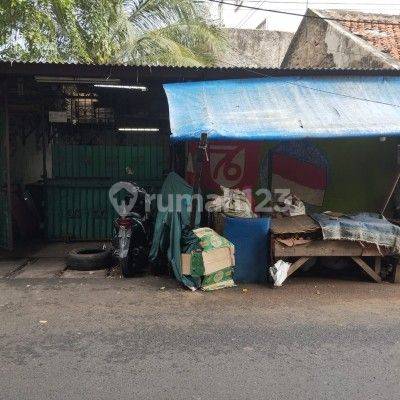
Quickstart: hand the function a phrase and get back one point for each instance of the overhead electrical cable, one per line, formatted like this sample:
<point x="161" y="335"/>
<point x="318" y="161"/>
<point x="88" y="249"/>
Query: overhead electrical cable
<point x="387" y="23"/>
<point x="306" y="86"/>
<point x="324" y="2"/>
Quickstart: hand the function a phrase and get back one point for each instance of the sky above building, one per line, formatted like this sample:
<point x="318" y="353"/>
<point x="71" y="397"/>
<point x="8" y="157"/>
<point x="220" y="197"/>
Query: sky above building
<point x="235" y="16"/>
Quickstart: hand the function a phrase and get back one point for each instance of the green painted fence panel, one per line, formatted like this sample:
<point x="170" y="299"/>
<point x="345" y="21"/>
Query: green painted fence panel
<point x="147" y="161"/>
<point x="79" y="213"/>
<point x="80" y="209"/>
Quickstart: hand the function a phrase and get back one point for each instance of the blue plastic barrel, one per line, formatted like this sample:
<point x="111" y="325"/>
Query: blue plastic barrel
<point x="251" y="239"/>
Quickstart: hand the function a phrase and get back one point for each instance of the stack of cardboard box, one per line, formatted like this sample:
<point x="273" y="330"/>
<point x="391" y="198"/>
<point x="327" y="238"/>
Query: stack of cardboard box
<point x="214" y="263"/>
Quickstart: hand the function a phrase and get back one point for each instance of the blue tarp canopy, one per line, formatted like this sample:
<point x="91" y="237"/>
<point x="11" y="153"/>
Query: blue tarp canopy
<point x="278" y="108"/>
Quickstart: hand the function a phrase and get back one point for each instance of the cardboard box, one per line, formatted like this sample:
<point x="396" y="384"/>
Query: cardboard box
<point x="208" y="262"/>
<point x="217" y="254"/>
<point x="218" y="280"/>
<point x="210" y="240"/>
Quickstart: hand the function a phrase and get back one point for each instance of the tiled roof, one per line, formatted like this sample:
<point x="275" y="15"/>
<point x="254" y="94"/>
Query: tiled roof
<point x="380" y="30"/>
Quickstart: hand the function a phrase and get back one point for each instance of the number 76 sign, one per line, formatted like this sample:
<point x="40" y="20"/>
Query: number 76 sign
<point x="232" y="164"/>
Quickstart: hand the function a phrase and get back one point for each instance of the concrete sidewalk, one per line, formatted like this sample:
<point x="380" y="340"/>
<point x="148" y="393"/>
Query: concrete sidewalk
<point x="44" y="268"/>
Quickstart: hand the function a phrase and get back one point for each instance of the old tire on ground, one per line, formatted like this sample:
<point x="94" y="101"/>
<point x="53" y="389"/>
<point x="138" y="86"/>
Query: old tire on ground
<point x="88" y="259"/>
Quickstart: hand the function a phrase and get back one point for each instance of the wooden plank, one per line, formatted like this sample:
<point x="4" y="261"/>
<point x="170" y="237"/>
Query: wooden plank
<point x="297" y="264"/>
<point x="367" y="269"/>
<point x="326" y="248"/>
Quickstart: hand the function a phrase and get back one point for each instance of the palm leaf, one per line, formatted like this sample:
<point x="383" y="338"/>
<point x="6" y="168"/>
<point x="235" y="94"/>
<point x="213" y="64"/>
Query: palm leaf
<point x="173" y="32"/>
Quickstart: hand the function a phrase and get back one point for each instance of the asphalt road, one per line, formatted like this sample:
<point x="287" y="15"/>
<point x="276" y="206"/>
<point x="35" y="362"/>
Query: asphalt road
<point x="113" y="339"/>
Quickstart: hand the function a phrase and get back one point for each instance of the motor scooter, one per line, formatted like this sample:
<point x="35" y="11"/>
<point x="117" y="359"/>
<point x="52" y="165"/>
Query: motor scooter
<point x="131" y="236"/>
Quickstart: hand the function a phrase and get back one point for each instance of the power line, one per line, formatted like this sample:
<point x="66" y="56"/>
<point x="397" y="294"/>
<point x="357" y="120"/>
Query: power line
<point x="256" y="62"/>
<point x="305" y="86"/>
<point x="305" y="16"/>
<point x="358" y="53"/>
<point x="322" y="2"/>
<point x="297" y="84"/>
<point x="248" y="16"/>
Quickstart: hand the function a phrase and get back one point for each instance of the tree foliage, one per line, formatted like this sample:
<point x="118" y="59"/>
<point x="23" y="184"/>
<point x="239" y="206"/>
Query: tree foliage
<point x="173" y="32"/>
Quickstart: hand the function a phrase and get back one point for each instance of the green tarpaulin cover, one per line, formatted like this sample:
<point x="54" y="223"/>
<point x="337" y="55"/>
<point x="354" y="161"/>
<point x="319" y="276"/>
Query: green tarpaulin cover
<point x="172" y="229"/>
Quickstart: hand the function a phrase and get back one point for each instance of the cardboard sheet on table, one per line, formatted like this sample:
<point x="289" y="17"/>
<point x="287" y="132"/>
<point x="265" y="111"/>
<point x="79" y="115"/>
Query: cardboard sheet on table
<point x="296" y="224"/>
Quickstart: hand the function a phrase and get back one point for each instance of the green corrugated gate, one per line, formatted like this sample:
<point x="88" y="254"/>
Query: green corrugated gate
<point x="77" y="203"/>
<point x="5" y="217"/>
<point x="146" y="162"/>
<point x="79" y="210"/>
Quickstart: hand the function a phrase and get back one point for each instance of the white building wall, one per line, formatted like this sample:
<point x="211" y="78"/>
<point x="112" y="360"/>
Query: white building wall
<point x="238" y="17"/>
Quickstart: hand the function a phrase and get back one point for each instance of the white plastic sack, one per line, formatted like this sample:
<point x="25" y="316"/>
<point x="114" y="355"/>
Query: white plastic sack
<point x="294" y="206"/>
<point x="233" y="203"/>
<point x="279" y="272"/>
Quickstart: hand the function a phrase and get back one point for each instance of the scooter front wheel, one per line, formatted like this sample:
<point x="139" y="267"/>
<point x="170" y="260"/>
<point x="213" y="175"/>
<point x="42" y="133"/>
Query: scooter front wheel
<point x="124" y="263"/>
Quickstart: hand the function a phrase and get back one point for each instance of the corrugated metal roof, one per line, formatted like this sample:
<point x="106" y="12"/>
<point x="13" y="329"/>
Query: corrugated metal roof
<point x="165" y="74"/>
<point x="8" y="65"/>
<point x="278" y="108"/>
<point x="97" y="64"/>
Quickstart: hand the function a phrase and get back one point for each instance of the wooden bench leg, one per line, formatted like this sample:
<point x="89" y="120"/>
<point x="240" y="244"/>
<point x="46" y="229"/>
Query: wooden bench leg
<point x="367" y="269"/>
<point x="297" y="264"/>
<point x="378" y="265"/>
<point x="396" y="273"/>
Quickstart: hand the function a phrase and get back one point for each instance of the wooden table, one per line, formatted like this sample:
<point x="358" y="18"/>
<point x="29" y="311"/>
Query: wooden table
<point x="332" y="248"/>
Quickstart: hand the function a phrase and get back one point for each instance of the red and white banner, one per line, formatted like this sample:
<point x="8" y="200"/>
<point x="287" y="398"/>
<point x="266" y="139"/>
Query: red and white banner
<point x="305" y="180"/>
